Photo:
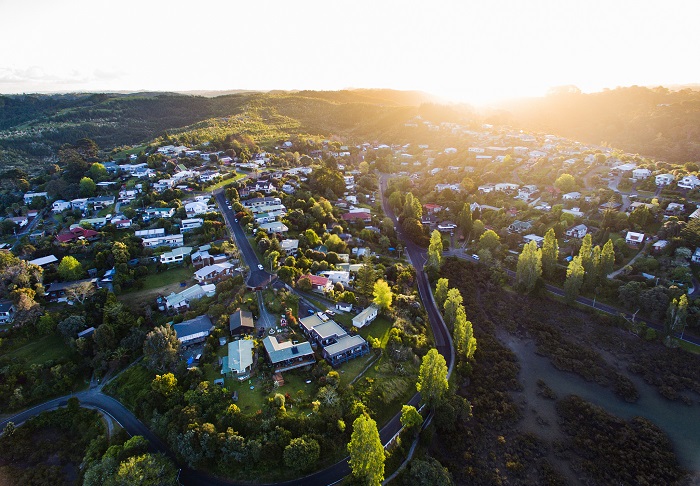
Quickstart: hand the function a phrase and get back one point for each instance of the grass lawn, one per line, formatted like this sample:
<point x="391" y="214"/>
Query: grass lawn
<point x="378" y="329"/>
<point x="123" y="153"/>
<point x="690" y="347"/>
<point x="225" y="182"/>
<point x="104" y="212"/>
<point x="128" y="386"/>
<point x="42" y="350"/>
<point x="170" y="276"/>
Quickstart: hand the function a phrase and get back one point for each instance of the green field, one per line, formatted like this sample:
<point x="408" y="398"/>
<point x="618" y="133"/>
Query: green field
<point x="225" y="182"/>
<point x="170" y="276"/>
<point x="45" y="349"/>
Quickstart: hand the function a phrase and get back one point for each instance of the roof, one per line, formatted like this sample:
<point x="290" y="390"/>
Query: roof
<point x="329" y="329"/>
<point x="357" y="215"/>
<point x="240" y="355"/>
<point x="194" y="292"/>
<point x="279" y="352"/>
<point x="365" y="313"/>
<point x="310" y="322"/>
<point x="44" y="260"/>
<point x="183" y="250"/>
<point x="5" y="306"/>
<point x="215" y="268"/>
<point x="316" y="280"/>
<point x="241" y="319"/>
<point x="194" y="328"/>
<point x="344" y="343"/>
<point x="632" y="236"/>
<point x="59" y="286"/>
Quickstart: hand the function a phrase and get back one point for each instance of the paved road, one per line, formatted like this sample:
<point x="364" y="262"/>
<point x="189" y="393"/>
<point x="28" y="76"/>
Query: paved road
<point x="257" y="278"/>
<point x="418" y="256"/>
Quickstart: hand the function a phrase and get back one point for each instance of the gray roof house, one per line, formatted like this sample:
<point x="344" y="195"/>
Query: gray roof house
<point x="193" y="331"/>
<point x="241" y="322"/>
<point x="287" y="355"/>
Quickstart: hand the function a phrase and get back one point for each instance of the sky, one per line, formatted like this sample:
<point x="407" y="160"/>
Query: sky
<point x="473" y="51"/>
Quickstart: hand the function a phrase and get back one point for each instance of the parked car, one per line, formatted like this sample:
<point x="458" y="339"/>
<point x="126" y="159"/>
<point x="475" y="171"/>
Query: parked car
<point x="260" y="267"/>
<point x="475" y="256"/>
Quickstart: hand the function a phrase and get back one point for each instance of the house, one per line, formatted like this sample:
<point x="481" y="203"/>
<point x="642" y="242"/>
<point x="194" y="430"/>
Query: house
<point x="175" y="256"/>
<point x="290" y="247"/>
<point x="128" y="195"/>
<point x="20" y="221"/>
<point x="241" y="322"/>
<point x="689" y="182"/>
<point x="121" y="222"/>
<point x="344" y="349"/>
<point x="674" y="209"/>
<point x="695" y="214"/>
<point x="154" y="213"/>
<point x="337" y="346"/>
<point x="337" y="276"/>
<point x="696" y="256"/>
<point x="60" y="206"/>
<point x="182" y="300"/>
<point x="288" y="355"/>
<point x="365" y="317"/>
<point x="77" y="233"/>
<point x="274" y="227"/>
<point x="79" y="204"/>
<point x="7" y="312"/>
<point x="195" y="208"/>
<point x="634" y="239"/>
<point x="190" y="224"/>
<point x="260" y="201"/>
<point x="518" y="226"/>
<point x="609" y="206"/>
<point x="44" y="261"/>
<point x="451" y="187"/>
<point x="343" y="306"/>
<point x="202" y="258"/>
<point x="486" y="188"/>
<point x="194" y="330"/>
<point x="29" y="196"/>
<point x="239" y="361"/>
<point x="659" y="246"/>
<point x="56" y="291"/>
<point x="432" y="208"/>
<point x="571" y="196"/>
<point x="664" y="179"/>
<point x="446" y="227"/>
<point x="264" y="186"/>
<point x="506" y="187"/>
<point x="318" y="284"/>
<point x="209" y="175"/>
<point x="173" y="241"/>
<point x="213" y="272"/>
<point x="533" y="237"/>
<point x="641" y="173"/>
<point x="637" y="205"/>
<point x="578" y="231"/>
<point x="364" y="216"/>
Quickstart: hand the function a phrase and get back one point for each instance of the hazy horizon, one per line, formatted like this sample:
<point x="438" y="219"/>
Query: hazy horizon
<point x="464" y="52"/>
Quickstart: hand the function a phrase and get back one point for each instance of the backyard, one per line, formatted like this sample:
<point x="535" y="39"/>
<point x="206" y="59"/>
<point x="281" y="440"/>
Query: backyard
<point x="156" y="284"/>
<point x="48" y="348"/>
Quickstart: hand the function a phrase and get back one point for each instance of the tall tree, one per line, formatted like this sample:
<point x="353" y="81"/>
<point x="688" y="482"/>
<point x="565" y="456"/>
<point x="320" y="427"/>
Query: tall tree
<point x="443" y="285"/>
<point x="382" y="295"/>
<point x="529" y="267"/>
<point x="550" y="253"/>
<point x="366" y="276"/>
<point x="302" y="453"/>
<point x="489" y="240"/>
<point x="70" y="268"/>
<point x="435" y="250"/>
<point x="452" y="302"/>
<point x="565" y="183"/>
<point x="586" y="253"/>
<point x="607" y="259"/>
<point x="366" y="452"/>
<point x="87" y="187"/>
<point x="676" y="316"/>
<point x="412" y="207"/>
<point x="160" y="349"/>
<point x="464" y="339"/>
<point x="574" y="279"/>
<point x="464" y="220"/>
<point x="593" y="276"/>
<point x="432" y="378"/>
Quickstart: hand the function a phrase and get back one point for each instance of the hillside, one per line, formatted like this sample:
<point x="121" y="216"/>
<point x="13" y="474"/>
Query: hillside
<point x="33" y="127"/>
<point x="655" y="122"/>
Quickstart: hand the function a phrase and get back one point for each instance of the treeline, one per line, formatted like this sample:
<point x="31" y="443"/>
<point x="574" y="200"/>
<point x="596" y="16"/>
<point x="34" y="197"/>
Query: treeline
<point x="653" y="122"/>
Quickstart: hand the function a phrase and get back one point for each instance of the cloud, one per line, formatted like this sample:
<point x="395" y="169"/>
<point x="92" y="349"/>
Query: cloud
<point x="35" y="78"/>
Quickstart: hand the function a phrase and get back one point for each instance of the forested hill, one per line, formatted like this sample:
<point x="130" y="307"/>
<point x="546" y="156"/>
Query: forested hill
<point x="655" y="122"/>
<point x="32" y="127"/>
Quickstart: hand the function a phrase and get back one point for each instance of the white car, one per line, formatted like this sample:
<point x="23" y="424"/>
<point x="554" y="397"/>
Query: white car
<point x="475" y="257"/>
<point x="260" y="267"/>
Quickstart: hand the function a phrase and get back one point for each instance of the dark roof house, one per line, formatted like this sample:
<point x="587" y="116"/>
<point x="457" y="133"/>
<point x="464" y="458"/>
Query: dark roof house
<point x="241" y="322"/>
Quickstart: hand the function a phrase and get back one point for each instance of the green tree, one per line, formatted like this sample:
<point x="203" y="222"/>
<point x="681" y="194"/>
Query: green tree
<point x="366" y="276"/>
<point x="165" y="384"/>
<point x="382" y="295"/>
<point x="464" y="220"/>
<point x="565" y="183"/>
<point x="302" y="453"/>
<point x="87" y="186"/>
<point x="443" y="285"/>
<point x="463" y="334"/>
<point x="592" y="277"/>
<point x="586" y="253"/>
<point x="145" y="470"/>
<point x="676" y="315"/>
<point x="489" y="240"/>
<point x="550" y="253"/>
<point x="70" y="269"/>
<point x="428" y="472"/>
<point x="304" y="284"/>
<point x="366" y="452"/>
<point x="160" y="349"/>
<point x="98" y="172"/>
<point x="529" y="267"/>
<point x="452" y="303"/>
<point x="435" y="250"/>
<point x="412" y="208"/>
<point x="410" y="417"/>
<point x="574" y="279"/>
<point x="607" y="259"/>
<point x="432" y="378"/>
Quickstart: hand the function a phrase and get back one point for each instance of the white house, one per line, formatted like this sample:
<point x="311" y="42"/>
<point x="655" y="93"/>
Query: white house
<point x="190" y="224"/>
<point x="664" y="179"/>
<point x="177" y="255"/>
<point x="571" y="196"/>
<point x="578" y="231"/>
<point x="290" y="247"/>
<point x="365" y="317"/>
<point x="337" y="276"/>
<point x="213" y="272"/>
<point x="689" y="182"/>
<point x="506" y="187"/>
<point x="641" y="173"/>
<point x="164" y="240"/>
<point x="31" y="195"/>
<point x="634" y="239"/>
<point x="696" y="256"/>
<point x="452" y="187"/>
<point x="195" y="208"/>
<point x="7" y="312"/>
<point x="182" y="300"/>
<point x="154" y="213"/>
<point x="533" y="237"/>
<point x="60" y="206"/>
<point x="274" y="227"/>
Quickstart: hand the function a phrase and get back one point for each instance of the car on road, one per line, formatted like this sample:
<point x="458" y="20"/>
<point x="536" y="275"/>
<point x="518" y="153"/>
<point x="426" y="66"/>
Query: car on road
<point x="260" y="267"/>
<point x="475" y="256"/>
